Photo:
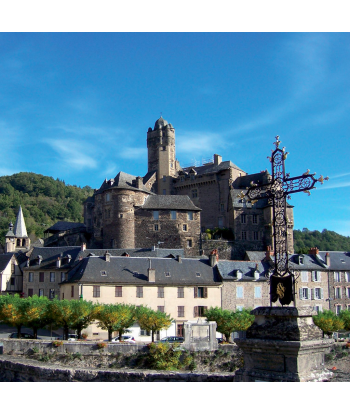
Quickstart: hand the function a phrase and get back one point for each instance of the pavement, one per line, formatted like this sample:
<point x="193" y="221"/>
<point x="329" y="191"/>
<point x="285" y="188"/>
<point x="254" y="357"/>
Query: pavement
<point x="44" y="334"/>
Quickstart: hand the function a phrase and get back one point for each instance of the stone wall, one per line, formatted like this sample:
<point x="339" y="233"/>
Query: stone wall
<point x="18" y="370"/>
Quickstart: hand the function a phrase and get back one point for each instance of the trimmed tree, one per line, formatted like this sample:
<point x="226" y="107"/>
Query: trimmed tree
<point x="328" y="322"/>
<point x="229" y="321"/>
<point x="345" y="318"/>
<point x="12" y="311"/>
<point x="61" y="312"/>
<point x="83" y="313"/>
<point x="115" y="317"/>
<point x="152" y="321"/>
<point x="37" y="315"/>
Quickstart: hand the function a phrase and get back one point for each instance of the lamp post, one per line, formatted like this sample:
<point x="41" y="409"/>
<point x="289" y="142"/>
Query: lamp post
<point x="81" y="291"/>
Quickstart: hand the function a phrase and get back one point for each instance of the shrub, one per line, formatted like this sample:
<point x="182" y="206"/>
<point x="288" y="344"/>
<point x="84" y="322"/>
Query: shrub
<point x="57" y="343"/>
<point x="101" y="345"/>
<point x="35" y="349"/>
<point x="163" y="356"/>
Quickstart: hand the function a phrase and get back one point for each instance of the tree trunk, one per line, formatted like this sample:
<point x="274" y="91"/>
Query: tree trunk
<point x="152" y="336"/>
<point x="19" y="332"/>
<point x="35" y="332"/>
<point x="120" y="334"/>
<point x="65" y="333"/>
<point x="110" y="332"/>
<point x="79" y="333"/>
<point x="227" y="336"/>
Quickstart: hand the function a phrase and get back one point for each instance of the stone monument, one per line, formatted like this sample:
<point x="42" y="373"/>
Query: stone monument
<point x="200" y="336"/>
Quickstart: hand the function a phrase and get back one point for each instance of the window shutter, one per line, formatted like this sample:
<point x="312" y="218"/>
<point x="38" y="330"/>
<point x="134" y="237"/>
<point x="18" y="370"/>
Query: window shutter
<point x="340" y="292"/>
<point x="312" y="275"/>
<point x="195" y="311"/>
<point x="195" y="293"/>
<point x="321" y="293"/>
<point x="309" y="293"/>
<point x="205" y="292"/>
<point x="319" y="275"/>
<point x="300" y="293"/>
<point x="312" y="293"/>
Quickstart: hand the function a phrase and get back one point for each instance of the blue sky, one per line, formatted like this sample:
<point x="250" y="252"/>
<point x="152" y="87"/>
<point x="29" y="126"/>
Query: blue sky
<point x="77" y="106"/>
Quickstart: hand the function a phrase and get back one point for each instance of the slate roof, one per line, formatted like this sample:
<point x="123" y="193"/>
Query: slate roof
<point x="175" y="202"/>
<point x="50" y="254"/>
<point x="237" y="201"/>
<point x="310" y="262"/>
<point x="124" y="181"/>
<point x="228" y="269"/>
<point x="134" y="252"/>
<point x="134" y="271"/>
<point x="244" y="181"/>
<point x="340" y="260"/>
<point x="4" y="260"/>
<point x="212" y="168"/>
<point x="61" y="226"/>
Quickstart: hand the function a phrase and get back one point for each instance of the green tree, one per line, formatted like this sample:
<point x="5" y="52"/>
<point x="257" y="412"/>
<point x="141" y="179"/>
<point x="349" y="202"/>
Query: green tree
<point x="229" y="321"/>
<point x="345" y="318"/>
<point x="37" y="313"/>
<point x="328" y="322"/>
<point x="152" y="321"/>
<point x="61" y="312"/>
<point x="115" y="317"/>
<point x="82" y="315"/>
<point x="12" y="311"/>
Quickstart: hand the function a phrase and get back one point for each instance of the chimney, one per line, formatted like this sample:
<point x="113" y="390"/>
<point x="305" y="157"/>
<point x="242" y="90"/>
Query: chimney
<point x="269" y="253"/>
<point x="328" y="259"/>
<point x="179" y="259"/>
<point x="69" y="258"/>
<point x="139" y="182"/>
<point x="313" y="251"/>
<point x="151" y="275"/>
<point x="214" y="257"/>
<point x="217" y="159"/>
<point x="28" y="262"/>
<point x="83" y="246"/>
<point x="40" y="258"/>
<point x="108" y="256"/>
<point x="58" y="262"/>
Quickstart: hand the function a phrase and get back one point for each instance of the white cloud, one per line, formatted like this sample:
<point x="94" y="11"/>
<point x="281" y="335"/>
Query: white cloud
<point x="131" y="153"/>
<point x="335" y="186"/>
<point x="73" y="154"/>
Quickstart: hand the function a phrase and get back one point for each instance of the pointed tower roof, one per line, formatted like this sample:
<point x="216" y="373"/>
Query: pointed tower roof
<point x="20" y="229"/>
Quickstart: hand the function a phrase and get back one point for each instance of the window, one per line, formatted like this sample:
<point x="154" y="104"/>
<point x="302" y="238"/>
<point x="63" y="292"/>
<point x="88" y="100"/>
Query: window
<point x="318" y="308"/>
<point x="167" y="274"/>
<point x="108" y="197"/>
<point x="180" y="330"/>
<point x="243" y="218"/>
<point x="305" y="293"/>
<point x="337" y="277"/>
<point x="304" y="276"/>
<point x="316" y="276"/>
<point x="239" y="307"/>
<point x="103" y="273"/>
<point x="256" y="236"/>
<point x="156" y="227"/>
<point x="52" y="277"/>
<point x="220" y="222"/>
<point x="190" y="215"/>
<point x="96" y="291"/>
<point x="41" y="292"/>
<point x="189" y="243"/>
<point x="255" y="219"/>
<point x="194" y="193"/>
<point x="164" y="178"/>
<point x="51" y="294"/>
<point x="337" y="309"/>
<point x="199" y="311"/>
<point x="72" y="291"/>
<point x="12" y="268"/>
<point x="198" y="274"/>
<point x="63" y="276"/>
<point x="31" y="277"/>
<point x="318" y="294"/>
<point x="347" y="276"/>
<point x="337" y="292"/>
<point x="164" y="191"/>
<point x="160" y="292"/>
<point x="239" y="292"/>
<point x="160" y="308"/>
<point x="244" y="235"/>
<point x="222" y="207"/>
<point x="145" y="332"/>
<point x="156" y="214"/>
<point x="118" y="291"/>
<point x="173" y="214"/>
<point x="348" y="292"/>
<point x="180" y="292"/>
<point x="139" y="292"/>
<point x="121" y="216"/>
<point x="41" y="276"/>
<point x="12" y="281"/>
<point x="30" y="292"/>
<point x="200" y="292"/>
<point x="184" y="227"/>
<point x="181" y="311"/>
<point x="257" y="292"/>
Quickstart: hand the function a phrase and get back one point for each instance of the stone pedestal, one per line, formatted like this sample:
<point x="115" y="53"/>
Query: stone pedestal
<point x="200" y="336"/>
<point x="283" y="345"/>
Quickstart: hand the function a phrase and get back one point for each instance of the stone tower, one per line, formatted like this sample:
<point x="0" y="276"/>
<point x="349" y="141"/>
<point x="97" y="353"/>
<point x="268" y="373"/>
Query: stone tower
<point x="16" y="238"/>
<point x="161" y="155"/>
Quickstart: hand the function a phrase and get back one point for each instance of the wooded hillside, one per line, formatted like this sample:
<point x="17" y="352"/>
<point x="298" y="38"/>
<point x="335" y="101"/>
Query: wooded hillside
<point x="44" y="201"/>
<point x="324" y="241"/>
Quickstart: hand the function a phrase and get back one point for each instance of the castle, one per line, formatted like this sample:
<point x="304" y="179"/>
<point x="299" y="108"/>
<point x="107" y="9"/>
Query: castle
<point x="174" y="206"/>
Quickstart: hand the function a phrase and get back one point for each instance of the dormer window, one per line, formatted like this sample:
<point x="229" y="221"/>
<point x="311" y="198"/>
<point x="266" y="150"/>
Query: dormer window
<point x="239" y="274"/>
<point x="256" y="275"/>
<point x="198" y="274"/>
<point x="167" y="274"/>
<point x="301" y="260"/>
<point x="103" y="273"/>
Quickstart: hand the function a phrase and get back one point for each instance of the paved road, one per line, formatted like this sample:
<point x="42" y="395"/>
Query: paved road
<point x="44" y="334"/>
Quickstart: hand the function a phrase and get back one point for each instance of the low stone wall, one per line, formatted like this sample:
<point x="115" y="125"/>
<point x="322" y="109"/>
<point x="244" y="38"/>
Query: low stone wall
<point x="20" y="347"/>
<point x="14" y="369"/>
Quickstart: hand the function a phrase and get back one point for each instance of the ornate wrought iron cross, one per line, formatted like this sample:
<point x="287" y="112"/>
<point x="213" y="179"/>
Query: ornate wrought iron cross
<point x="279" y="188"/>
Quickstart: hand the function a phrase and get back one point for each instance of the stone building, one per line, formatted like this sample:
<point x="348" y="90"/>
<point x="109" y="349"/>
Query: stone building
<point x="114" y="213"/>
<point x="181" y="287"/>
<point x="10" y="275"/>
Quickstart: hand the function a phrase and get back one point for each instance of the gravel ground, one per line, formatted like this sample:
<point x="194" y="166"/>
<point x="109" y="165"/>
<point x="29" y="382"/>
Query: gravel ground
<point x="340" y="368"/>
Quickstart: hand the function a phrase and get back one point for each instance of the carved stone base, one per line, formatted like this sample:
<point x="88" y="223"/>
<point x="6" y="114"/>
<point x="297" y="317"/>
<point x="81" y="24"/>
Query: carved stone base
<point x="283" y="345"/>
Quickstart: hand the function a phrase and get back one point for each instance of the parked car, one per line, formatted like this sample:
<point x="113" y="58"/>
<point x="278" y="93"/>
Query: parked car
<point x="219" y="339"/>
<point x="125" y="339"/>
<point x="23" y="336"/>
<point x="72" y="337"/>
<point x="173" y="339"/>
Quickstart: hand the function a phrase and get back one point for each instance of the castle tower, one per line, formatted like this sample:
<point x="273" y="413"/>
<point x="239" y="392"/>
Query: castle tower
<point x="17" y="238"/>
<point x="161" y="155"/>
